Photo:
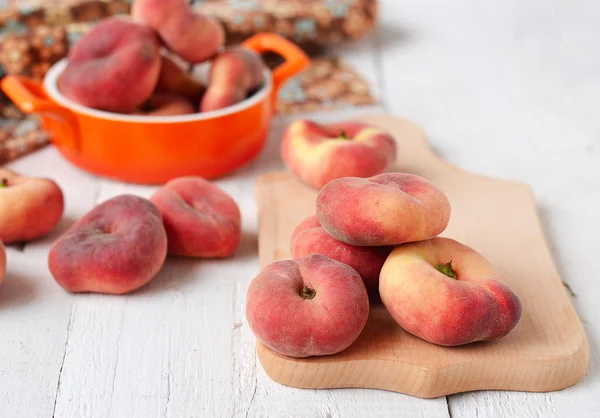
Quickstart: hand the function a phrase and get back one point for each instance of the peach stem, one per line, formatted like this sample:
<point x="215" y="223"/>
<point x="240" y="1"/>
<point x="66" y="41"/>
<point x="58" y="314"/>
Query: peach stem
<point x="307" y="293"/>
<point x="343" y="136"/>
<point x="447" y="270"/>
<point x="3" y="183"/>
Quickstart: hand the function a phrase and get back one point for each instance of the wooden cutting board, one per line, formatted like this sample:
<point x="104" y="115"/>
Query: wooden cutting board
<point x="548" y="349"/>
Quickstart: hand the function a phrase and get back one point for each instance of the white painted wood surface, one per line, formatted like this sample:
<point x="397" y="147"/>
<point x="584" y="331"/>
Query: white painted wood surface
<point x="509" y="89"/>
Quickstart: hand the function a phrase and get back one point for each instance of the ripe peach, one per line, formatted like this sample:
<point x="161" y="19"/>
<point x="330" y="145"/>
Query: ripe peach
<point x="116" y="248"/>
<point x="310" y="237"/>
<point x="234" y="74"/>
<point x="446" y="293"/>
<point x="388" y="209"/>
<point x="312" y="306"/>
<point x="167" y="105"/>
<point x="191" y="35"/>
<point x="201" y="219"/>
<point x="174" y="79"/>
<point x="30" y="207"/>
<point x="2" y="262"/>
<point x="113" y="67"/>
<point x="317" y="153"/>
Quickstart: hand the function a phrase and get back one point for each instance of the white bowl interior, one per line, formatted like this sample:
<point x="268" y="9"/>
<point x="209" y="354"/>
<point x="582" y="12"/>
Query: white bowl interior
<point x="51" y="88"/>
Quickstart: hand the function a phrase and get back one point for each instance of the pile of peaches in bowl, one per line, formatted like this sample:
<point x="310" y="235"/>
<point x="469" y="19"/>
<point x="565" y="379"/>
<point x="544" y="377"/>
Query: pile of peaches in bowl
<point x="373" y="239"/>
<point x="139" y="64"/>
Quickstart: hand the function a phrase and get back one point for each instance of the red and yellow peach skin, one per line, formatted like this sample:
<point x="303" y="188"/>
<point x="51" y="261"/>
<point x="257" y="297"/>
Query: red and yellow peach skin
<point x="174" y="79"/>
<point x="446" y="293"/>
<point x="162" y="104"/>
<point x="318" y="153"/>
<point x="30" y="207"/>
<point x="309" y="238"/>
<point x="116" y="248"/>
<point x="388" y="209"/>
<point x="311" y="306"/>
<point x="233" y="76"/>
<point x="114" y="67"/>
<point x="193" y="36"/>
<point x="201" y="219"/>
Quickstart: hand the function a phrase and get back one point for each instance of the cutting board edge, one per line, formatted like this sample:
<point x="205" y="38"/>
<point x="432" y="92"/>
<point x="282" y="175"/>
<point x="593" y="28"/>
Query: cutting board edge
<point x="430" y="382"/>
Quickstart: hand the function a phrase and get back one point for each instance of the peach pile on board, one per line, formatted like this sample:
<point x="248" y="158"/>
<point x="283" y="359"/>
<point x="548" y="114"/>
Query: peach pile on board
<point x="143" y="64"/>
<point x="374" y="238"/>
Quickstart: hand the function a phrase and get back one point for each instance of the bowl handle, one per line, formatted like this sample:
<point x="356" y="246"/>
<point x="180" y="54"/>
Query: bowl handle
<point x="295" y="59"/>
<point x="29" y="96"/>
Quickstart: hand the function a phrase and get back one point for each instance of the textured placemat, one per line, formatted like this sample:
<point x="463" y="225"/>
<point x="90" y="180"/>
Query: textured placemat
<point x="19" y="136"/>
<point x="328" y="84"/>
<point x="312" y="24"/>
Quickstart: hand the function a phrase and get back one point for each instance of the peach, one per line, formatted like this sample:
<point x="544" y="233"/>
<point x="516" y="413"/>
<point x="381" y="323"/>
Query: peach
<point x="234" y="75"/>
<point x="318" y="153"/>
<point x="2" y="262"/>
<point x="310" y="237"/>
<point x="114" y="67"/>
<point x="193" y="36"/>
<point x="313" y="306"/>
<point x="388" y="209"/>
<point x="30" y="207"/>
<point x="116" y="248"/>
<point x="446" y="293"/>
<point x="174" y="79"/>
<point x="201" y="219"/>
<point x="167" y="105"/>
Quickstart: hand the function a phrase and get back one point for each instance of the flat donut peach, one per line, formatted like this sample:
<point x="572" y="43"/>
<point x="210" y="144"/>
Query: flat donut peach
<point x="30" y="207"/>
<point x="388" y="209"/>
<point x="233" y="76"/>
<point x="114" y="67"/>
<point x="447" y="293"/>
<point x="310" y="237"/>
<point x="201" y="219"/>
<point x="191" y="35"/>
<point x="116" y="248"/>
<point x="318" y="153"/>
<point x="313" y="306"/>
<point x="162" y="104"/>
<point x="174" y="79"/>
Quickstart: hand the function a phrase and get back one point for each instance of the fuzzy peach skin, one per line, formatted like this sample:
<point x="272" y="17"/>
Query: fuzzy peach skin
<point x="447" y="304"/>
<point x="318" y="153"/>
<point x="388" y="209"/>
<point x="167" y="105"/>
<point x="201" y="219"/>
<point x="313" y="306"/>
<point x="174" y="79"/>
<point x="114" y="67"/>
<point x="234" y="75"/>
<point x="2" y="262"/>
<point x="116" y="248"/>
<point x="310" y="237"/>
<point x="191" y="35"/>
<point x="30" y="207"/>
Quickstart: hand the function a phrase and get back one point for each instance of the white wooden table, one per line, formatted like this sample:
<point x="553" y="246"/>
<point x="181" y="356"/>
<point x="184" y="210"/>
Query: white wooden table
<point x="509" y="89"/>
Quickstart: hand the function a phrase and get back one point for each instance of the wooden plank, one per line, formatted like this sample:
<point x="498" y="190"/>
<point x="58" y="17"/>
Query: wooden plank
<point x="503" y="89"/>
<point x="36" y="312"/>
<point x="161" y="351"/>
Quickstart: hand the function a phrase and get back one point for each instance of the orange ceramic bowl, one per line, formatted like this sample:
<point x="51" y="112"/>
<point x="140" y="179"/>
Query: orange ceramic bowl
<point x="156" y="149"/>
